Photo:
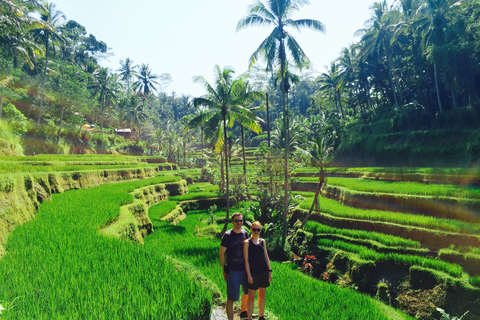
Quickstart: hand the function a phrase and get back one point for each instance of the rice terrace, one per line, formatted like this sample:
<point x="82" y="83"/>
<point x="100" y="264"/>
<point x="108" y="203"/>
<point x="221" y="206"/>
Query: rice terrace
<point x="363" y="177"/>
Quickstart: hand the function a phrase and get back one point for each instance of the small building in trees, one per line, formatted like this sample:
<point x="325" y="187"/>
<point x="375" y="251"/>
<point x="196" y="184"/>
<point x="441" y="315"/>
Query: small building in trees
<point x="126" y="133"/>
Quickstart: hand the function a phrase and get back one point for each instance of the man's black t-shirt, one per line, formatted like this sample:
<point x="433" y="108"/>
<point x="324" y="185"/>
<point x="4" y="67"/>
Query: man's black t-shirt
<point x="234" y="244"/>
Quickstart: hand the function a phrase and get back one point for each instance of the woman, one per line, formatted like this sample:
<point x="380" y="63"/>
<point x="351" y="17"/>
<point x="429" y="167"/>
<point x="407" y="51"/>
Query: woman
<point x="259" y="271"/>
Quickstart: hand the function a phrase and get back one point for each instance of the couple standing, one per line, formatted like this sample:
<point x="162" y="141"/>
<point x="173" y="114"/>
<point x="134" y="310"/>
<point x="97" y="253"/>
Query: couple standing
<point x="247" y="264"/>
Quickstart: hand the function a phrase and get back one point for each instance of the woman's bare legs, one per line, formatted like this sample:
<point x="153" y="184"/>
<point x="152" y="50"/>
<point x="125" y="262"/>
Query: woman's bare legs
<point x="251" y="300"/>
<point x="261" y="301"/>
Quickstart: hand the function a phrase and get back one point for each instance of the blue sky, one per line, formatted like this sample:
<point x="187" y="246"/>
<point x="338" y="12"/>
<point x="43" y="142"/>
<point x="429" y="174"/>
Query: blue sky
<point x="186" y="38"/>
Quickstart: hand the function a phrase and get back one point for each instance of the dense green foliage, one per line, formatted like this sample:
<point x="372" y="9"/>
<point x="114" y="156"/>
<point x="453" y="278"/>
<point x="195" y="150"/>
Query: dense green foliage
<point x="405" y="93"/>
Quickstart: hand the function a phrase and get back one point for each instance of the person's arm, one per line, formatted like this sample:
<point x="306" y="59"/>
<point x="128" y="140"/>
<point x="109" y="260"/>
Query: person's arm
<point x="247" y="265"/>
<point x="222" y="260"/>
<point x="267" y="259"/>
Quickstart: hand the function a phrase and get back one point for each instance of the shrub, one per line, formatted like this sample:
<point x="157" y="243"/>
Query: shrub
<point x="475" y="281"/>
<point x="383" y="292"/>
<point x="9" y="141"/>
<point x="16" y="118"/>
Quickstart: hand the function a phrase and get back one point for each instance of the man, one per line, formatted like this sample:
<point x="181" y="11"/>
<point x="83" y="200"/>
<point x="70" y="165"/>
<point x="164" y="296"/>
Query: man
<point x="234" y="268"/>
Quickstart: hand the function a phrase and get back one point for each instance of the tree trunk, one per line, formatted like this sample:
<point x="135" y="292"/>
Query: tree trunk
<point x="243" y="152"/>
<point x="454" y="101"/>
<point x="1" y="105"/>
<point x="222" y="172"/>
<point x="285" y="203"/>
<point x="285" y="123"/>
<point x="315" y="199"/>
<point x="269" y="139"/>
<point x="339" y="102"/>
<point x="42" y="97"/>
<point x="436" y="87"/>
<point x="227" y="217"/>
<point x="268" y="122"/>
<point x="390" y="73"/>
<point x="60" y="124"/>
<point x="245" y="165"/>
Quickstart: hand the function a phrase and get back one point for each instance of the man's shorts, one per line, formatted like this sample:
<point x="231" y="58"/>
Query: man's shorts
<point x="260" y="280"/>
<point x="234" y="280"/>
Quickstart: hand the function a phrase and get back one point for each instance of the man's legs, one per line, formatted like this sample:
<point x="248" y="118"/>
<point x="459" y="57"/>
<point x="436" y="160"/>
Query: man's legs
<point x="243" y="307"/>
<point x="234" y="280"/>
<point x="229" y="309"/>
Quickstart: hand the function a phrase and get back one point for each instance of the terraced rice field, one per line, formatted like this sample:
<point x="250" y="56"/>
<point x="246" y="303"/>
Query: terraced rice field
<point x="374" y="234"/>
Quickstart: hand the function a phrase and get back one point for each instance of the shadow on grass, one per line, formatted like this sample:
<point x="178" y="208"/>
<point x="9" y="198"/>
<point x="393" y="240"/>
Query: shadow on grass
<point x="201" y="254"/>
<point x="169" y="228"/>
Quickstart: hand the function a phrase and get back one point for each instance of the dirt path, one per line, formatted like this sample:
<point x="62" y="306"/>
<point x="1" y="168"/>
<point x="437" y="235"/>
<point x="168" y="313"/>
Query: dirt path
<point x="219" y="313"/>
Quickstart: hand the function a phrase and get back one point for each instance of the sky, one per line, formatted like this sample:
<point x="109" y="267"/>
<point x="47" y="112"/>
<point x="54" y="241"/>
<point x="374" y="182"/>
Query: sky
<point x="187" y="38"/>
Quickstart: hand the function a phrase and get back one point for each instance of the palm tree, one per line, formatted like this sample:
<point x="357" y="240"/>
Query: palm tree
<point x="146" y="81"/>
<point x="273" y="50"/>
<point x="90" y="69"/>
<point x="377" y="39"/>
<point x="350" y="77"/>
<point x="136" y="112"/>
<point x="224" y="105"/>
<point x="127" y="72"/>
<point x="320" y="154"/>
<point x="67" y="56"/>
<point x="431" y="23"/>
<point x="46" y="34"/>
<point x="15" y="23"/>
<point x="105" y="89"/>
<point x="331" y="81"/>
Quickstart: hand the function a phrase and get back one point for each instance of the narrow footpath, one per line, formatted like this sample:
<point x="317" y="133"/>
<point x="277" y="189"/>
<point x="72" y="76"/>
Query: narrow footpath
<point x="219" y="313"/>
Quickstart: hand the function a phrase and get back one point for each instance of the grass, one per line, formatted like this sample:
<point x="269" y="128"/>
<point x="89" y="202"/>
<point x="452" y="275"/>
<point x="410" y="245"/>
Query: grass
<point x="13" y="167"/>
<point x="369" y="254"/>
<point x="398" y="170"/>
<point x="475" y="281"/>
<point x="162" y="208"/>
<point x="333" y="207"/>
<point x="71" y="157"/>
<point x="388" y="240"/>
<point x="314" y="299"/>
<point x="410" y="188"/>
<point x="59" y="265"/>
<point x="203" y="187"/>
<point x="197" y="195"/>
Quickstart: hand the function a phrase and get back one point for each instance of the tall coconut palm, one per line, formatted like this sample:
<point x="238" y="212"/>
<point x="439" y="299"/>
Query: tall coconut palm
<point x="377" y="39"/>
<point x="278" y="13"/>
<point x="431" y="23"/>
<point x="47" y="34"/>
<point x="127" y="72"/>
<point x="224" y="105"/>
<point x="331" y="81"/>
<point x="146" y="81"/>
<point x="105" y="89"/>
<point x="136" y="115"/>
<point x="14" y="26"/>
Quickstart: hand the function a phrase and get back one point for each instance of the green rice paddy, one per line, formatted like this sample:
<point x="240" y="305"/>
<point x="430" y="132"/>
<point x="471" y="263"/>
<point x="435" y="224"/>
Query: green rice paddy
<point x="333" y="207"/>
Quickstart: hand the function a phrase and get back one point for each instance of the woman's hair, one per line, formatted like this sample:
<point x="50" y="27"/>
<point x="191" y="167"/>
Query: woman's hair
<point x="236" y="214"/>
<point x="257" y="223"/>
